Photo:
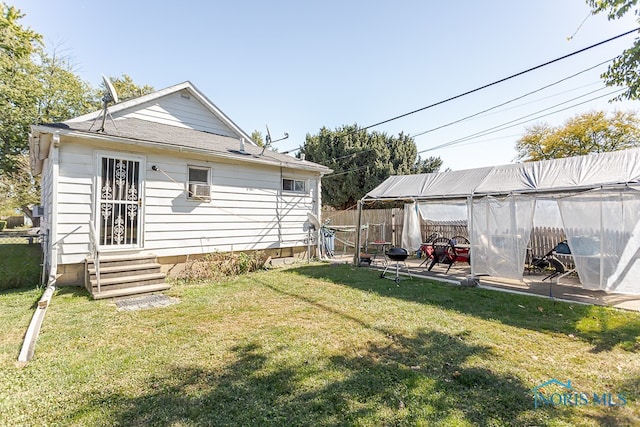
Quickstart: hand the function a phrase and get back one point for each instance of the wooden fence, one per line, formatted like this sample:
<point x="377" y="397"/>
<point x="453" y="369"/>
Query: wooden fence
<point x="386" y="225"/>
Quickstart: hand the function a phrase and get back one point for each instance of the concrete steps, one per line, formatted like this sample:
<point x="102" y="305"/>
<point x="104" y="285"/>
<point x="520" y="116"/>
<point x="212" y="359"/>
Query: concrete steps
<point x="125" y="275"/>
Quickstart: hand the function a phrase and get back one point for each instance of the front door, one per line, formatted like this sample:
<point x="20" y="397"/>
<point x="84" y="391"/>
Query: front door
<point x="120" y="202"/>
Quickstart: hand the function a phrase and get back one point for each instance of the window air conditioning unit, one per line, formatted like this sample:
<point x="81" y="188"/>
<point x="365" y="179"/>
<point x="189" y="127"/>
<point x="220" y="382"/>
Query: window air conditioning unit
<point x="38" y="211"/>
<point x="200" y="191"/>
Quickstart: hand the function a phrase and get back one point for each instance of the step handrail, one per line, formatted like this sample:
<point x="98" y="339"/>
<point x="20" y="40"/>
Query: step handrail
<point x="95" y="252"/>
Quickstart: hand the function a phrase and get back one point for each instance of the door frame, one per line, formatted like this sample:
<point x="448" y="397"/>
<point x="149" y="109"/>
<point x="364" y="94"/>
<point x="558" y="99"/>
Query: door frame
<point x="142" y="161"/>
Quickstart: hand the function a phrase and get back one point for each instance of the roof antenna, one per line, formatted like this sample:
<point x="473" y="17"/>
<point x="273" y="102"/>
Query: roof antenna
<point x="110" y="95"/>
<point x="269" y="141"/>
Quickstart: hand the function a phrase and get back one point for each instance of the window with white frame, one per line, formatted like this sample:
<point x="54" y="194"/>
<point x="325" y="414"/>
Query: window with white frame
<point x="199" y="184"/>
<point x="294" y="185"/>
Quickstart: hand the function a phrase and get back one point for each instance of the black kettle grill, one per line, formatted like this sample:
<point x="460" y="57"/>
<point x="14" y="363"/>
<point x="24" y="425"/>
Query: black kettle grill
<point x="399" y="255"/>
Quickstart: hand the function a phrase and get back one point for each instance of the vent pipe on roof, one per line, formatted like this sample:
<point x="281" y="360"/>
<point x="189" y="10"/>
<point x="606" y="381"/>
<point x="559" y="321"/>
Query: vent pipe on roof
<point x="302" y="156"/>
<point x="241" y="145"/>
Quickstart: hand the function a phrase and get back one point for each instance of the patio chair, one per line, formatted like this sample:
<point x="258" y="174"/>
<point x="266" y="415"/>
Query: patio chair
<point x="540" y="264"/>
<point x="549" y="260"/>
<point x="444" y="252"/>
<point x="427" y="248"/>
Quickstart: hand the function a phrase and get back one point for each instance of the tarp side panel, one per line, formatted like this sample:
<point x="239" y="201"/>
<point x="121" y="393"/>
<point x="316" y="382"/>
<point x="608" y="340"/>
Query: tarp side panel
<point x="439" y="211"/>
<point x="500" y="234"/>
<point x="602" y="230"/>
<point x="411" y="232"/>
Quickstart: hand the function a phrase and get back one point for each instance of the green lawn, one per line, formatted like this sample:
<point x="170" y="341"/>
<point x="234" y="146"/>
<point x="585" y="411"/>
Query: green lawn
<point x="19" y="263"/>
<point x="317" y="345"/>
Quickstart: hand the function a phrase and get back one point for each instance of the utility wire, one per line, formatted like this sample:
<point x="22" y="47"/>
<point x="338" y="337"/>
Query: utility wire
<point x="503" y="127"/>
<point x="498" y="128"/>
<point x="501" y="80"/>
<point x="511" y="100"/>
<point x="483" y="111"/>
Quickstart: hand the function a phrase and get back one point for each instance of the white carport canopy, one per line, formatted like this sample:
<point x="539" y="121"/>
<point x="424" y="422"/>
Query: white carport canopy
<point x="599" y="203"/>
<point x="558" y="175"/>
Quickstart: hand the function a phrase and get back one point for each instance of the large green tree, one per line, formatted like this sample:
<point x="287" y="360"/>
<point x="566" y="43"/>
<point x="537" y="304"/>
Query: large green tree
<point x="19" y="85"/>
<point x="586" y="133"/>
<point x="37" y="87"/>
<point x="361" y="160"/>
<point x="625" y="69"/>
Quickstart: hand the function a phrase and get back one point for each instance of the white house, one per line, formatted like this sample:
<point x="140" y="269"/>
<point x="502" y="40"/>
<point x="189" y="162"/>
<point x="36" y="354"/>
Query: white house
<point x="165" y="176"/>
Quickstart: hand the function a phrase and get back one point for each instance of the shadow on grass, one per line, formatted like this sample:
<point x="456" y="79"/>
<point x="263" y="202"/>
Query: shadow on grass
<point x="75" y="291"/>
<point x="414" y="380"/>
<point x="602" y="327"/>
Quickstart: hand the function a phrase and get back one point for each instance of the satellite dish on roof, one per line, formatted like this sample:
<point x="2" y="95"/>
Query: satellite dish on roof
<point x="111" y="91"/>
<point x="269" y="140"/>
<point x="110" y="95"/>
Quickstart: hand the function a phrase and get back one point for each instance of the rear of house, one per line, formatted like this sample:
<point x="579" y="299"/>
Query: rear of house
<point x="167" y="176"/>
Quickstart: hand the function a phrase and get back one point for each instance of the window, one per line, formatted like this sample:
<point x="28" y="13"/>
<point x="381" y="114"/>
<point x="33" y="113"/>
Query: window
<point x="295" y="185"/>
<point x="199" y="187"/>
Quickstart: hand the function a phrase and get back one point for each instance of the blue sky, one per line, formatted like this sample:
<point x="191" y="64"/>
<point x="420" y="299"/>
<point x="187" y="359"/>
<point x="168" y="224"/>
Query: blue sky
<point x="297" y="66"/>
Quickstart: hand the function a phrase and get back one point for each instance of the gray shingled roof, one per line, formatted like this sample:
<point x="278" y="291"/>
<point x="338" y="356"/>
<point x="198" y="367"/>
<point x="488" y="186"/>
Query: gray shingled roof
<point x="179" y="138"/>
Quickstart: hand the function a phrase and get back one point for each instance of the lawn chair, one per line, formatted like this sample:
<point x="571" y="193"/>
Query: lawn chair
<point x="550" y="260"/>
<point x="427" y="248"/>
<point x="445" y="252"/>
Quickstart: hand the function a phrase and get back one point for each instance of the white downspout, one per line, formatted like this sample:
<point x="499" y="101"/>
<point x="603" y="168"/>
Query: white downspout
<point x="29" y="344"/>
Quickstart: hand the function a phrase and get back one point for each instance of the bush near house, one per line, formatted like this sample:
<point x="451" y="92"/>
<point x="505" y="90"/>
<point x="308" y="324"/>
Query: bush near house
<point x="3" y="224"/>
<point x="222" y="264"/>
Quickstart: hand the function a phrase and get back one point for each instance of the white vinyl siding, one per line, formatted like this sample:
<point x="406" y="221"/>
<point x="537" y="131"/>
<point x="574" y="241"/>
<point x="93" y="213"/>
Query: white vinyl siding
<point x="74" y="202"/>
<point x="176" y="110"/>
<point x="249" y="211"/>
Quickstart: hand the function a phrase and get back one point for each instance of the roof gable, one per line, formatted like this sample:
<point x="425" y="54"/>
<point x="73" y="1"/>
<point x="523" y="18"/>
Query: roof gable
<point x="181" y="105"/>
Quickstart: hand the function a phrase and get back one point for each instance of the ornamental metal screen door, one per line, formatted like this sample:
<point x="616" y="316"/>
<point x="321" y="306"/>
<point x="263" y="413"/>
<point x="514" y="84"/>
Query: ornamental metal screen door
<point x="120" y="202"/>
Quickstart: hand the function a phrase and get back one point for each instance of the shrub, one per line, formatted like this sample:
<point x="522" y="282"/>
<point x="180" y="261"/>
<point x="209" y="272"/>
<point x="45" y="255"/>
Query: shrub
<point x="222" y="264"/>
<point x="3" y="224"/>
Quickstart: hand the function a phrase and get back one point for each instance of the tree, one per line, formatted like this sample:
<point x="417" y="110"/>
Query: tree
<point x="19" y="190"/>
<point x="127" y="89"/>
<point x="62" y="95"/>
<point x="586" y="133"/>
<point x="19" y="85"/>
<point x="256" y="136"/>
<point x="625" y="68"/>
<point x="36" y="87"/>
<point x="361" y="161"/>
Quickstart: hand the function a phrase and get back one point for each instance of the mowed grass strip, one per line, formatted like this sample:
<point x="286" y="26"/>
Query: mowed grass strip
<point x="316" y="345"/>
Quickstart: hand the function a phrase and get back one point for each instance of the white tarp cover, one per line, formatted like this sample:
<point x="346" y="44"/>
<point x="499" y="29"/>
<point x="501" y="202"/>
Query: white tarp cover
<point x="499" y="235"/>
<point x="603" y="232"/>
<point x="411" y="233"/>
<point x="571" y="173"/>
<point x="439" y="185"/>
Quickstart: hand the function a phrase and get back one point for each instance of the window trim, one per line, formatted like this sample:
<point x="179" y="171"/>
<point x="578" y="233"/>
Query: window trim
<point x="191" y="197"/>
<point x="304" y="182"/>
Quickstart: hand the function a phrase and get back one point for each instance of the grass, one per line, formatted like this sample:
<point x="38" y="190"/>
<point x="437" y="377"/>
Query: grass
<point x="19" y="263"/>
<point x="316" y="345"/>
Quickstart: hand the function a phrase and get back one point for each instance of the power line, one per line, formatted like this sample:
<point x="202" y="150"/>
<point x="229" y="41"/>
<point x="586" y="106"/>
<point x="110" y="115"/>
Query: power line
<point x="485" y="110"/>
<point x="502" y="127"/>
<point x="496" y="129"/>
<point x="501" y="80"/>
<point x="511" y="100"/>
